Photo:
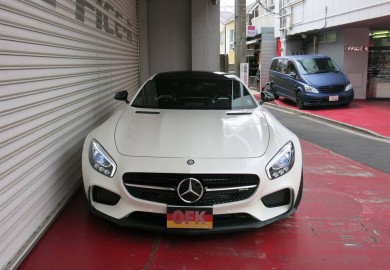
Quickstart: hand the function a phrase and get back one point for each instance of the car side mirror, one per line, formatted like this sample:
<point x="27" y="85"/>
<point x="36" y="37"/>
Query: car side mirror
<point x="267" y="96"/>
<point x="293" y="74"/>
<point x="122" y="95"/>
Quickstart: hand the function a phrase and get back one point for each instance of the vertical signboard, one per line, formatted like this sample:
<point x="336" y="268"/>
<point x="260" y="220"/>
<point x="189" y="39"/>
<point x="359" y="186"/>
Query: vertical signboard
<point x="244" y="73"/>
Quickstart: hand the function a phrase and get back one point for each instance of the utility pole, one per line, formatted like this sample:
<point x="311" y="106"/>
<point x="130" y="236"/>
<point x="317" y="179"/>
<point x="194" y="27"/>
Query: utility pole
<point x="240" y="34"/>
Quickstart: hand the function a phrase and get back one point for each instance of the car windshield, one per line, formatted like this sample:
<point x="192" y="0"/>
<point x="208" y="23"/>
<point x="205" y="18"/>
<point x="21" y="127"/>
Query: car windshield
<point x="194" y="94"/>
<point x="317" y="65"/>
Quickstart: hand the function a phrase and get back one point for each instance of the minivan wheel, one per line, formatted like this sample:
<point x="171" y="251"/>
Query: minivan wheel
<point x="299" y="101"/>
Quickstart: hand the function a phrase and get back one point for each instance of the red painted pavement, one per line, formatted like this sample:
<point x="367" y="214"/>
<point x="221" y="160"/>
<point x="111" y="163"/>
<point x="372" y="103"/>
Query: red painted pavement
<point x="373" y="115"/>
<point x="343" y="223"/>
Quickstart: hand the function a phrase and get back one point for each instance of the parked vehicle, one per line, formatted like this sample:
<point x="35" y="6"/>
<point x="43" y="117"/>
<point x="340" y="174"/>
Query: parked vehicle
<point x="192" y="152"/>
<point x="309" y="80"/>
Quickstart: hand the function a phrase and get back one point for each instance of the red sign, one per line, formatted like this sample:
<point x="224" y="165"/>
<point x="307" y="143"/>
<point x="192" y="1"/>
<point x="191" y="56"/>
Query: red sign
<point x="250" y="31"/>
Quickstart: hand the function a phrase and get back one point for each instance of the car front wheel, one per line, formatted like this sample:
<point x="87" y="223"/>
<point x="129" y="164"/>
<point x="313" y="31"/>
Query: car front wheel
<point x="299" y="101"/>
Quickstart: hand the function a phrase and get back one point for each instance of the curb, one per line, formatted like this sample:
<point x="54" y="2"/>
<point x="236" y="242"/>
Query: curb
<point x="310" y="115"/>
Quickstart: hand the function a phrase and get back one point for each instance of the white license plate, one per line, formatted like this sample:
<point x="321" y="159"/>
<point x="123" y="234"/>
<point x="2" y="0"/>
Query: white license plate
<point x="333" y="98"/>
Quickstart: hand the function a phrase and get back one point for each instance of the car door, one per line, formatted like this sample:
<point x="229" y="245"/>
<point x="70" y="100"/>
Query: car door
<point x="290" y="79"/>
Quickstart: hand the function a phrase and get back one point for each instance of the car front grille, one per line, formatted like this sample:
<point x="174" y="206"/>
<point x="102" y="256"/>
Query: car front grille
<point x="325" y="101"/>
<point x="331" y="89"/>
<point x="218" y="188"/>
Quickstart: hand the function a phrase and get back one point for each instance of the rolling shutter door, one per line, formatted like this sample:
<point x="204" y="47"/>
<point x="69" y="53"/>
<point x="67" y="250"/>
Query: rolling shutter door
<point x="61" y="61"/>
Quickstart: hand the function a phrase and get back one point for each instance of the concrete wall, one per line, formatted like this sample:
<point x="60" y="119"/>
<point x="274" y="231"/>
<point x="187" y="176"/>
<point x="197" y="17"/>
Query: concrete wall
<point x="265" y="20"/>
<point x="355" y="62"/>
<point x="169" y="35"/>
<point x="205" y="35"/>
<point x="178" y="35"/>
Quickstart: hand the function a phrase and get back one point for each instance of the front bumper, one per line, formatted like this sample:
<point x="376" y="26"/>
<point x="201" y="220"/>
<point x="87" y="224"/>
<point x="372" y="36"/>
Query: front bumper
<point x="222" y="223"/>
<point x="322" y="99"/>
<point x="124" y="209"/>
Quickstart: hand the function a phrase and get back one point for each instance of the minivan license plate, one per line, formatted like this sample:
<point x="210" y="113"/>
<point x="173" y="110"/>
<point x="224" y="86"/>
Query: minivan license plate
<point x="333" y="98"/>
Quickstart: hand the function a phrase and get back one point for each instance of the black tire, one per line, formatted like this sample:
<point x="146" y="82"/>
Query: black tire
<point x="272" y="90"/>
<point x="299" y="101"/>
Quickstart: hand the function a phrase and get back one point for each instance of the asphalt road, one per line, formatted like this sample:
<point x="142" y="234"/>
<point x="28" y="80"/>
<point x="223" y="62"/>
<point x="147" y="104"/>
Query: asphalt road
<point x="359" y="146"/>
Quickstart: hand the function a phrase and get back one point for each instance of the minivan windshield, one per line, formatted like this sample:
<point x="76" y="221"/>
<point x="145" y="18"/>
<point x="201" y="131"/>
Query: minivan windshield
<point x="194" y="94"/>
<point x="317" y="65"/>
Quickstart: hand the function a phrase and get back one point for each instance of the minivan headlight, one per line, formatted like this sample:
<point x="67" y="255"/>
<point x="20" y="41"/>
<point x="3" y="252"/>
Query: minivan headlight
<point x="100" y="160"/>
<point x="282" y="162"/>
<point x="348" y="87"/>
<point x="310" y="89"/>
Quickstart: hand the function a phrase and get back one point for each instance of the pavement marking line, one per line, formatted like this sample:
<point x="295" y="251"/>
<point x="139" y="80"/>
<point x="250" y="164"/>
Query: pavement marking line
<point x="346" y="129"/>
<point x="278" y="109"/>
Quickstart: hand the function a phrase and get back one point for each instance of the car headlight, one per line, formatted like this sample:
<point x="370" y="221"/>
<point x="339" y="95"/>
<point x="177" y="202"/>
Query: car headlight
<point x="310" y="89"/>
<point x="100" y="160"/>
<point x="282" y="162"/>
<point x="348" y="87"/>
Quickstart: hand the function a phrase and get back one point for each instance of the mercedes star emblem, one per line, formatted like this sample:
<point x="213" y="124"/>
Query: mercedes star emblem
<point x="190" y="190"/>
<point x="190" y="162"/>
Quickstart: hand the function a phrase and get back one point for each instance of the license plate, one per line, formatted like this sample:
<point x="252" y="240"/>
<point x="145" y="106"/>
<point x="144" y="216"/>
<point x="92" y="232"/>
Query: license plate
<point x="333" y="98"/>
<point x="180" y="217"/>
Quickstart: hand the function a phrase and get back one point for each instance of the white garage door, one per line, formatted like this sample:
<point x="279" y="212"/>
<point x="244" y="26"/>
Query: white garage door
<point x="61" y="61"/>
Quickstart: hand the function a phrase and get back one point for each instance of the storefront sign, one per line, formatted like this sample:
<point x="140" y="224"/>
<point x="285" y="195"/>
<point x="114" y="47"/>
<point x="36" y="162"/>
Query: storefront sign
<point x="250" y="31"/>
<point x="356" y="48"/>
<point x="244" y="73"/>
<point x="108" y="17"/>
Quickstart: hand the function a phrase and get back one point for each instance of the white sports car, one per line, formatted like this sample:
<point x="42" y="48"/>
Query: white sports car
<point x="193" y="152"/>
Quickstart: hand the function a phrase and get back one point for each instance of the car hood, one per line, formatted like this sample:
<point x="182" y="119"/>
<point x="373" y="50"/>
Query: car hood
<point x="325" y="79"/>
<point x="192" y="134"/>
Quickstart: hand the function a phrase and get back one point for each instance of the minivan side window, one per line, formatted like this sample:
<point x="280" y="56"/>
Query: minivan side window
<point x="291" y="67"/>
<point x="282" y="66"/>
<point x="274" y="64"/>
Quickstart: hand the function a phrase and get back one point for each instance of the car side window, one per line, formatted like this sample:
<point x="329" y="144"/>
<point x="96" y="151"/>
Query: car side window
<point x="274" y="64"/>
<point x="282" y="66"/>
<point x="291" y="67"/>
